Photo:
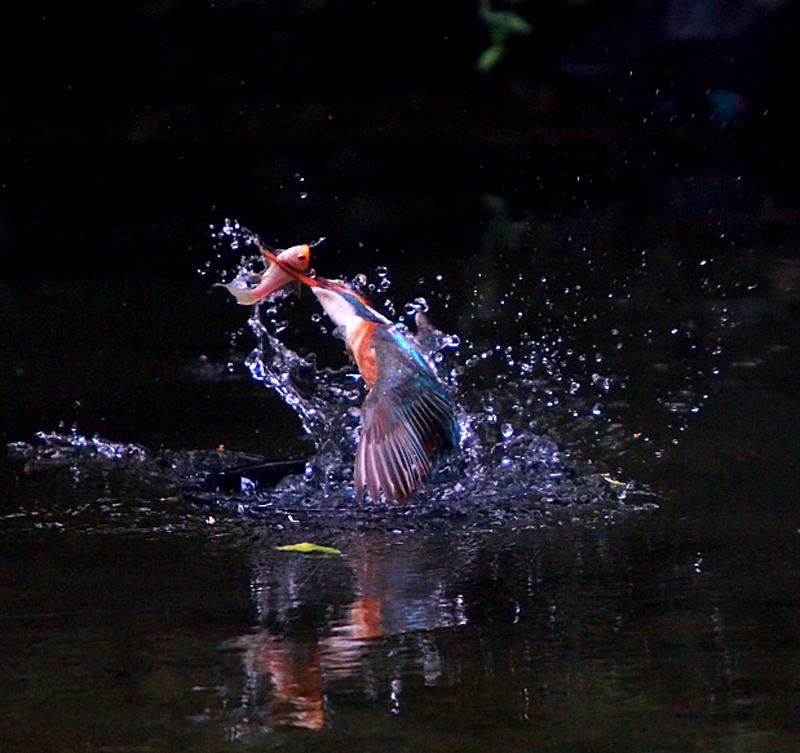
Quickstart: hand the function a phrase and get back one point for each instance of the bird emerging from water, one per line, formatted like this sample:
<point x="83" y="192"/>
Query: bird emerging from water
<point x="408" y="421"/>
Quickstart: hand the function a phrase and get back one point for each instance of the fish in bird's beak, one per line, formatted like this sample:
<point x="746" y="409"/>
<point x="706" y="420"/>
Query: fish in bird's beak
<point x="251" y="287"/>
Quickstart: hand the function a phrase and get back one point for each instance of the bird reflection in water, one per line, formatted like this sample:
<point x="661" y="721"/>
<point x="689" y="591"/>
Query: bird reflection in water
<point x="320" y="624"/>
<point x="298" y="668"/>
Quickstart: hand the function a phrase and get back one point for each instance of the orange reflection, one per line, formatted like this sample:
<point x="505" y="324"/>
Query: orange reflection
<point x="299" y="656"/>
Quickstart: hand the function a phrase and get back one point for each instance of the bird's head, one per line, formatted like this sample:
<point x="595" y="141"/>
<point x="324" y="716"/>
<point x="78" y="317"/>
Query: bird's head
<point x="346" y="308"/>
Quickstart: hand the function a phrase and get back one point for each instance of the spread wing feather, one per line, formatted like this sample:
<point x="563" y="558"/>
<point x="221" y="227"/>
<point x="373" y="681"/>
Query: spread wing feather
<point x="405" y="430"/>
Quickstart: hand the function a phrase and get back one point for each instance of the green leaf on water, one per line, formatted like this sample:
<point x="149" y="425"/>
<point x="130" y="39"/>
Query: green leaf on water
<point x="306" y="546"/>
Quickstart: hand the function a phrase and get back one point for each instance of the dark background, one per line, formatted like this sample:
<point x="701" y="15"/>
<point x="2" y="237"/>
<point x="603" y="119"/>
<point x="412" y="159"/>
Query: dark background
<point x="126" y="129"/>
<point x="611" y="134"/>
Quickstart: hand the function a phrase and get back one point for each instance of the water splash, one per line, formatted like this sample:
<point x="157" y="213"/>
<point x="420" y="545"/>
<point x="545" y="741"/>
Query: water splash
<point x="505" y="465"/>
<point x="541" y="416"/>
<point x="324" y="399"/>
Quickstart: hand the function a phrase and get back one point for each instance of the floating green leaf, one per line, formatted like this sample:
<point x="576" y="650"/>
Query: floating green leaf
<point x="306" y="546"/>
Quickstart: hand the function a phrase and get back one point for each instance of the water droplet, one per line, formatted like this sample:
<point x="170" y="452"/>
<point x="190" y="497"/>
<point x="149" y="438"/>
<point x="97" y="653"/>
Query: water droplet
<point x="303" y="194"/>
<point x="417" y="306"/>
<point x="507" y="430"/>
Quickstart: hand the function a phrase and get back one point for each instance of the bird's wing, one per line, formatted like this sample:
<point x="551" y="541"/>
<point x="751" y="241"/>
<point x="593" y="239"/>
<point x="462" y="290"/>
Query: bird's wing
<point x="405" y="428"/>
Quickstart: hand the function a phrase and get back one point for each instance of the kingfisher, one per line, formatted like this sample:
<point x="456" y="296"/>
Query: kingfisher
<point x="408" y="419"/>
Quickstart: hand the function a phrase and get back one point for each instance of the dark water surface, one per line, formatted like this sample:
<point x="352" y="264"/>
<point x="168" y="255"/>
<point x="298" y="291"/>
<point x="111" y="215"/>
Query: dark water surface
<point x="135" y="620"/>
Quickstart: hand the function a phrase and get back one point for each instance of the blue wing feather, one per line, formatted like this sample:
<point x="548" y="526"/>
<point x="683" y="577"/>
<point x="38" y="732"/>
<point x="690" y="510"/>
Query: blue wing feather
<point x="408" y="424"/>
